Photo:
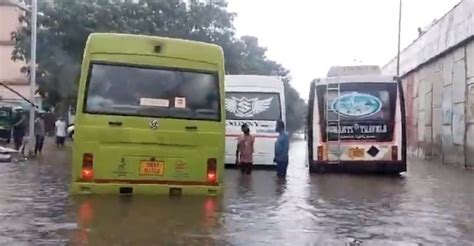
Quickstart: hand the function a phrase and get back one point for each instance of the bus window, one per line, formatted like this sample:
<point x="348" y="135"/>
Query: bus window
<point x="152" y="92"/>
<point x="368" y="106"/>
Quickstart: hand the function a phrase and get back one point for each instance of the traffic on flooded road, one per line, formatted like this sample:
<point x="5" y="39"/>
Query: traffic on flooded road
<point x="145" y="122"/>
<point x="431" y="204"/>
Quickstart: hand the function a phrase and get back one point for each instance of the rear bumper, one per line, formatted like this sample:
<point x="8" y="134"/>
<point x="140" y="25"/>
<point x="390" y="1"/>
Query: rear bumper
<point x="359" y="166"/>
<point x="84" y="188"/>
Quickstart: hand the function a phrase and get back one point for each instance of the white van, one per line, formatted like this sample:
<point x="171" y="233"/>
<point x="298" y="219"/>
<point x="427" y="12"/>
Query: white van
<point x="258" y="101"/>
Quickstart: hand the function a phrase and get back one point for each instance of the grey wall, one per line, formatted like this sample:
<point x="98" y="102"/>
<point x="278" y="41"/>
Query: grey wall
<point x="438" y="78"/>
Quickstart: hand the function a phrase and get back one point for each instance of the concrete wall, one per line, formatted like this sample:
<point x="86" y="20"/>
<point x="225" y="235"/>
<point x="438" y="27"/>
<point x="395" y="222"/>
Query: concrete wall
<point x="440" y="107"/>
<point x="437" y="72"/>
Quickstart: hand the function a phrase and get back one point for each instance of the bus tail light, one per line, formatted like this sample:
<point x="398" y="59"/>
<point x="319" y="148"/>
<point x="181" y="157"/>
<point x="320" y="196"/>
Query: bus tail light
<point x="212" y="170"/>
<point x="394" y="153"/>
<point x="87" y="167"/>
<point x="320" y="153"/>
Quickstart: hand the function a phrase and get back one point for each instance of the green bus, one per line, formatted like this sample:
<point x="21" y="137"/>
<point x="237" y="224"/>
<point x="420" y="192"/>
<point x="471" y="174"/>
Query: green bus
<point x="150" y="117"/>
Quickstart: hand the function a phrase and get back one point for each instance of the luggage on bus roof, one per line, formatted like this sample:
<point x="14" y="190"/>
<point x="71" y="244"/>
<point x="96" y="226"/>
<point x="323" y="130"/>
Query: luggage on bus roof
<point x="338" y="71"/>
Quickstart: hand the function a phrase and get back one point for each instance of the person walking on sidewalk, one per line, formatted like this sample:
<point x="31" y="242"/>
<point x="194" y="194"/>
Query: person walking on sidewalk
<point x="40" y="133"/>
<point x="282" y="146"/>
<point x="60" y="132"/>
<point x="244" y="153"/>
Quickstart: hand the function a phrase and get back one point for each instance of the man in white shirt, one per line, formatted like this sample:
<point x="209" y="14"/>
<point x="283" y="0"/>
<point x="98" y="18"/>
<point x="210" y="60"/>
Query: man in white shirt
<point x="60" y="132"/>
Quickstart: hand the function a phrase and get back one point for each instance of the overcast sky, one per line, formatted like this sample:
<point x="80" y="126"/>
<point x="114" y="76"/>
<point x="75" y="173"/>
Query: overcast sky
<point x="309" y="36"/>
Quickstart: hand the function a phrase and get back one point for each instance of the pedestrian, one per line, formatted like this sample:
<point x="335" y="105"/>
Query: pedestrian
<point x="19" y="129"/>
<point x="282" y="146"/>
<point x="60" y="126"/>
<point x="244" y="153"/>
<point x="40" y="133"/>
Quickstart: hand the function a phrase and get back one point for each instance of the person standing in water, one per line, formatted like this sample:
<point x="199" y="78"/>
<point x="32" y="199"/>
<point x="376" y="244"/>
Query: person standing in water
<point x="282" y="146"/>
<point x="40" y="133"/>
<point x="244" y="153"/>
<point x="60" y="126"/>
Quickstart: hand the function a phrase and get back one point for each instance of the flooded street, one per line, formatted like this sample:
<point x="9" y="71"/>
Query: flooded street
<point x="431" y="205"/>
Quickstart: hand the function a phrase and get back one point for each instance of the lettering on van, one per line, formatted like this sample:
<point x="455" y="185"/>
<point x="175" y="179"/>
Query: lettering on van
<point x="246" y="108"/>
<point x="378" y="132"/>
<point x="358" y="129"/>
<point x="239" y="123"/>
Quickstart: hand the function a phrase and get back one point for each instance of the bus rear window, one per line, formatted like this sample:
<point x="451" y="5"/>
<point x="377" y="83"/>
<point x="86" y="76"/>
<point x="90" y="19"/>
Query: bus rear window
<point x="366" y="111"/>
<point x="152" y="92"/>
<point x="253" y="105"/>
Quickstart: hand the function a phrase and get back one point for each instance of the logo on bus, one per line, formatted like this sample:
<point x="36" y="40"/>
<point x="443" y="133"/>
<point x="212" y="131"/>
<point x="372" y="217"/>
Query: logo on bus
<point x="247" y="108"/>
<point x="356" y="105"/>
<point x="154" y="124"/>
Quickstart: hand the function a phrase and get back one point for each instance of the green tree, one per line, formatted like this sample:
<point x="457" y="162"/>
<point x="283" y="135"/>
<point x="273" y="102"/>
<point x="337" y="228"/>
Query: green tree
<point x="65" y="25"/>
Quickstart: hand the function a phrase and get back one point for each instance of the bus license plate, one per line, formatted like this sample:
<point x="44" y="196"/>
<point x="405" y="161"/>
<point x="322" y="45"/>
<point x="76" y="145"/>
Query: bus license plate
<point x="152" y="168"/>
<point x="356" y="153"/>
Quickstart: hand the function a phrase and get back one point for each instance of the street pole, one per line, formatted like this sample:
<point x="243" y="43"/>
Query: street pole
<point x="399" y="38"/>
<point x="34" y="15"/>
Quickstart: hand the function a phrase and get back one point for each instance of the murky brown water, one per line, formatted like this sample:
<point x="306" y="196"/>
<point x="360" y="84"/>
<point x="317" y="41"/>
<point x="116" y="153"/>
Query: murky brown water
<point x="431" y="205"/>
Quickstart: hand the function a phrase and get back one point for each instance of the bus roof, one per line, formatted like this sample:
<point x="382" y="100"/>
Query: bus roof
<point x="253" y="81"/>
<point x="356" y="79"/>
<point x="116" y="43"/>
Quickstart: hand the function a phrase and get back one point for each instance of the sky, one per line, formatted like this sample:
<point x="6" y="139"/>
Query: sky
<point x="309" y="36"/>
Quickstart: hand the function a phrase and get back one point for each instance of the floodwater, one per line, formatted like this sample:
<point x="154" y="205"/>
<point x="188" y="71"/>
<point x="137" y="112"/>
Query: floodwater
<point x="432" y="204"/>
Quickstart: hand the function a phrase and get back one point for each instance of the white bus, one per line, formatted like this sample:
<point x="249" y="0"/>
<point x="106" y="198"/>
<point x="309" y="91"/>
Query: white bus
<point x="356" y="122"/>
<point x="258" y="101"/>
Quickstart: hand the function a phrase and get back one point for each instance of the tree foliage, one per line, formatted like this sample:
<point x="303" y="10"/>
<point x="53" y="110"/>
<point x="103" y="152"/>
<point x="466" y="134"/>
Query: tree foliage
<point x="65" y="25"/>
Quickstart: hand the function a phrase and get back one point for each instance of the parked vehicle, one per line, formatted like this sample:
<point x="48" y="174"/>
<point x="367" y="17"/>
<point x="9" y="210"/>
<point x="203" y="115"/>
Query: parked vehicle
<point x="6" y="123"/>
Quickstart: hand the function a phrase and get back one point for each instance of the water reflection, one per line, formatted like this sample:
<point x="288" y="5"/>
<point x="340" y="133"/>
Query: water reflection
<point x="433" y="205"/>
<point x="145" y="220"/>
<point x="356" y="207"/>
<point x="280" y="187"/>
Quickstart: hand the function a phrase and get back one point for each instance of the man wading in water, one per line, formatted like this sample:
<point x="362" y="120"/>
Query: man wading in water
<point x="282" y="146"/>
<point x="244" y="153"/>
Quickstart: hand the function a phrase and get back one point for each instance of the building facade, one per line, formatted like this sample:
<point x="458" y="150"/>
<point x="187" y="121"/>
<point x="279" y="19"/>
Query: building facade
<point x="10" y="71"/>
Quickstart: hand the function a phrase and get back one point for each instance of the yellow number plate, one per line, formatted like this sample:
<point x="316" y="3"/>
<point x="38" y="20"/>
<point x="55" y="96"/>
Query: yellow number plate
<point x="152" y="168"/>
<point x="356" y="153"/>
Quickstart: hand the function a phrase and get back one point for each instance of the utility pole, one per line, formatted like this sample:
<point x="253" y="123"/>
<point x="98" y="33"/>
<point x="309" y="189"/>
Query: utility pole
<point x="34" y="16"/>
<point x="399" y="38"/>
